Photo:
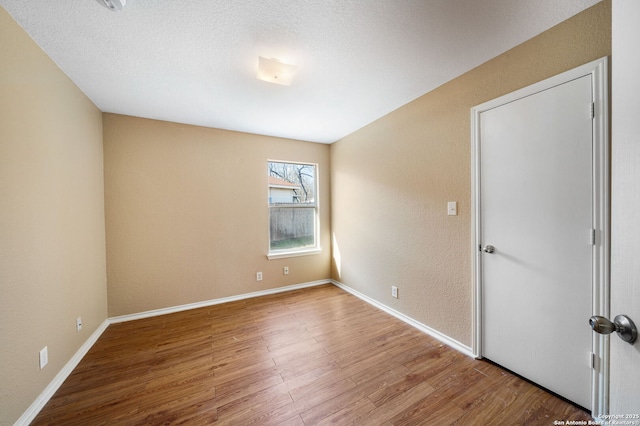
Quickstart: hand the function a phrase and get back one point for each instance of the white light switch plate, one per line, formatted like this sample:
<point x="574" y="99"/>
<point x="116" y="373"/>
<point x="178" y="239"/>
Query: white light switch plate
<point x="452" y="208"/>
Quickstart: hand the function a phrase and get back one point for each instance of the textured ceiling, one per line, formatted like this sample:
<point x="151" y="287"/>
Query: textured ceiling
<point x="195" y="61"/>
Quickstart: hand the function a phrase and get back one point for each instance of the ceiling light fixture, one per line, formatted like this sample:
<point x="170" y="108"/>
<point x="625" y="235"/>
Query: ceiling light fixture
<point x="113" y="5"/>
<point x="274" y="71"/>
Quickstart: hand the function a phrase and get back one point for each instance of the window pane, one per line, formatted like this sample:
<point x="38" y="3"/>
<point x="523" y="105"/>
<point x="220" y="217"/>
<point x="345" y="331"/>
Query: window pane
<point x="292" y="228"/>
<point x="292" y="183"/>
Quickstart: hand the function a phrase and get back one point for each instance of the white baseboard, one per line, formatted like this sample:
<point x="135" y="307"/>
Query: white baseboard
<point x="33" y="410"/>
<point x="424" y="328"/>
<point x="203" y="304"/>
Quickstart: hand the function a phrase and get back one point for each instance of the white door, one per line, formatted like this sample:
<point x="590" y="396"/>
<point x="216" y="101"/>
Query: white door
<point x="535" y="207"/>
<point x="625" y="203"/>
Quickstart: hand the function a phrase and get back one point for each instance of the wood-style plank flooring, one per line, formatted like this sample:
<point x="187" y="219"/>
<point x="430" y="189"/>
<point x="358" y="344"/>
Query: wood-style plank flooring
<point x="308" y="357"/>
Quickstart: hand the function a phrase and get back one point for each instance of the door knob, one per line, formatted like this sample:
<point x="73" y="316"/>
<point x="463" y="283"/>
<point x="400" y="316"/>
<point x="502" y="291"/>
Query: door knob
<point x="621" y="324"/>
<point x="489" y="249"/>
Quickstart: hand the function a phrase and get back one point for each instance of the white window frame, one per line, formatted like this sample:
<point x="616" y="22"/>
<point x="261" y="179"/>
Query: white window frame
<point x="303" y="251"/>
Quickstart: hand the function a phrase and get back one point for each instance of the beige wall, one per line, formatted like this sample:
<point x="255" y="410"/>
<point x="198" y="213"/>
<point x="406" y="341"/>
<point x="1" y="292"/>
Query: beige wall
<point x="52" y="245"/>
<point x="186" y="213"/>
<point x="392" y="179"/>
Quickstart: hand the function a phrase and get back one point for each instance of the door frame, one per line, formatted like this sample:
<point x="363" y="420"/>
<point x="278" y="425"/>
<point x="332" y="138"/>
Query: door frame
<point x="598" y="70"/>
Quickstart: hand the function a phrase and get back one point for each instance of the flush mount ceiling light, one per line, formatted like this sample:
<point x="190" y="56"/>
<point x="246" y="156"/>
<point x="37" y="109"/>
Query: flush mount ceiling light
<point x="274" y="71"/>
<point x="113" y="5"/>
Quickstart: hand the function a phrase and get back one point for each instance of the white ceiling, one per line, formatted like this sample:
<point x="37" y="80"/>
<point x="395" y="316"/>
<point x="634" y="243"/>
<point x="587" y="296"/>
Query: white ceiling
<point x="195" y="61"/>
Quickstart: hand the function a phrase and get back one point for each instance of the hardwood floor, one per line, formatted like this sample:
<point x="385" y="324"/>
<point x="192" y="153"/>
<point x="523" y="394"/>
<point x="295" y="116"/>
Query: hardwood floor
<point x="308" y="357"/>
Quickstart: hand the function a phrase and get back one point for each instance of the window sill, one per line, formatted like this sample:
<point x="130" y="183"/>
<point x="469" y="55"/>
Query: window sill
<point x="284" y="254"/>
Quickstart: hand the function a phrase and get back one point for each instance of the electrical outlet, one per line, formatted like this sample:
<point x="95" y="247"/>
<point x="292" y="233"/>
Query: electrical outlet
<point x="258" y="276"/>
<point x="394" y="291"/>
<point x="285" y="270"/>
<point x="44" y="357"/>
<point x="78" y="324"/>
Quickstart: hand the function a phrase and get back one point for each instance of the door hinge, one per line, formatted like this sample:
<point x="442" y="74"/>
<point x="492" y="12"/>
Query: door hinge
<point x="592" y="112"/>
<point x="592" y="237"/>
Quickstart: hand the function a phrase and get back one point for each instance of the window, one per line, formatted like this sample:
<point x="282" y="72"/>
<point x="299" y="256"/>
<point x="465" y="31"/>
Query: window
<point x="293" y="209"/>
